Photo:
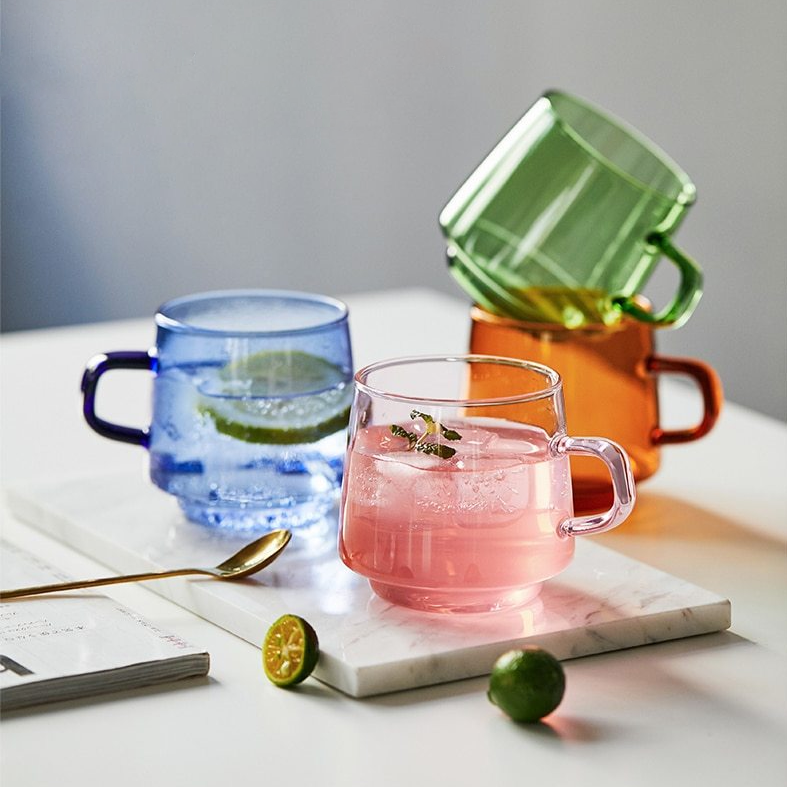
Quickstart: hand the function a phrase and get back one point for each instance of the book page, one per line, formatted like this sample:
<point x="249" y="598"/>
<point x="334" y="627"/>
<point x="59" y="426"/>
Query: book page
<point x="71" y="633"/>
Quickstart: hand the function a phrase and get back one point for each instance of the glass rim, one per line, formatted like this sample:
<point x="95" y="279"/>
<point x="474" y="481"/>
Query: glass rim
<point x="164" y="318"/>
<point x="554" y="385"/>
<point x="688" y="191"/>
<point x="480" y="313"/>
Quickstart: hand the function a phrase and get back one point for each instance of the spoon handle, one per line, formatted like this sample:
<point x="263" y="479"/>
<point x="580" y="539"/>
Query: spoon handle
<point x="37" y="590"/>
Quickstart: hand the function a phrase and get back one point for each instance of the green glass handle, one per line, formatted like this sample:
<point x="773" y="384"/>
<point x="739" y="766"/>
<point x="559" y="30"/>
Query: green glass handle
<point x="687" y="297"/>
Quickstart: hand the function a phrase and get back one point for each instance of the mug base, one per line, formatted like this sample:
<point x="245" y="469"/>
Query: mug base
<point x="458" y="601"/>
<point x="311" y="523"/>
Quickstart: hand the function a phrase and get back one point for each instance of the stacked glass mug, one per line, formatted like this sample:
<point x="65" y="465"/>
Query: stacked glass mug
<point x="554" y="236"/>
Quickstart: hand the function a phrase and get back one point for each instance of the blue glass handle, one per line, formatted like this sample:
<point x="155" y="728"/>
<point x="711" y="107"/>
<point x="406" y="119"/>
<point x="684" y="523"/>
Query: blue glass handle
<point x="95" y="368"/>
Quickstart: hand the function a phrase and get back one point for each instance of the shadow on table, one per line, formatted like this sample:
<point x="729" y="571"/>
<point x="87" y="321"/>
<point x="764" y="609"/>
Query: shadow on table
<point x="445" y="691"/>
<point x="657" y="514"/>
<point x="600" y="688"/>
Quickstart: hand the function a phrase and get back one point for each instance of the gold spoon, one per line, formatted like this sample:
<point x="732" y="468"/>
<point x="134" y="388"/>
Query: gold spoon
<point x="249" y="560"/>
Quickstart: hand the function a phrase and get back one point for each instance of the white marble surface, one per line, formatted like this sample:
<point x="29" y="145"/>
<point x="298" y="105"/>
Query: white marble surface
<point x="603" y="602"/>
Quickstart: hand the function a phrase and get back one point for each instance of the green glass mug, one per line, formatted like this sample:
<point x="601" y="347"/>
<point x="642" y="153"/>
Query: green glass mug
<point x="566" y="219"/>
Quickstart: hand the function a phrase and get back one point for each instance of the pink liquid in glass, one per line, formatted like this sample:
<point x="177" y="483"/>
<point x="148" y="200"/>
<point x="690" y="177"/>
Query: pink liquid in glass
<point x="474" y="532"/>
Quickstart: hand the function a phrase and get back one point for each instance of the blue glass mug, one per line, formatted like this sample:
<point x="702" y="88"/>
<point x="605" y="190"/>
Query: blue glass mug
<point x="251" y="398"/>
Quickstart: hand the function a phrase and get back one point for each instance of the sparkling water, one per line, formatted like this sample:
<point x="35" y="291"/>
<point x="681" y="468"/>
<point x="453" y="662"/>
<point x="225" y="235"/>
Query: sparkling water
<point x="472" y="531"/>
<point x="226" y="476"/>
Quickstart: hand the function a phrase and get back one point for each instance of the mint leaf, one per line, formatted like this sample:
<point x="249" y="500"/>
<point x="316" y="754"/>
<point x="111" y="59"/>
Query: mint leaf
<point x="436" y="449"/>
<point x="399" y="431"/>
<point x="432" y="427"/>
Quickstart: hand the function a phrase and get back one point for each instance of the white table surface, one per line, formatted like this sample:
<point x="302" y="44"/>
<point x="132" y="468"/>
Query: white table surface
<point x="705" y="710"/>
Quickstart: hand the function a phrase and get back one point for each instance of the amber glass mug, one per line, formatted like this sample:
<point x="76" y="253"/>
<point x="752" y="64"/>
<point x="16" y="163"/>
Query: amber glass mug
<point x="610" y="376"/>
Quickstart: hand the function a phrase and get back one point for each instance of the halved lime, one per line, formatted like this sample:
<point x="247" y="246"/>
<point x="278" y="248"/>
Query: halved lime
<point x="282" y="397"/>
<point x="290" y="651"/>
<point x="527" y="684"/>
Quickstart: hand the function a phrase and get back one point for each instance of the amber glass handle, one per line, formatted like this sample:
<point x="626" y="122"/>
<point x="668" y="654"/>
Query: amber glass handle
<point x="712" y="397"/>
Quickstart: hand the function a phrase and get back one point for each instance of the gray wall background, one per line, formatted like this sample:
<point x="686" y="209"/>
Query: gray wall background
<point x="152" y="148"/>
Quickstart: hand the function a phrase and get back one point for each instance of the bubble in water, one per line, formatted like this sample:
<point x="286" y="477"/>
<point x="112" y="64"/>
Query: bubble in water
<point x="171" y="429"/>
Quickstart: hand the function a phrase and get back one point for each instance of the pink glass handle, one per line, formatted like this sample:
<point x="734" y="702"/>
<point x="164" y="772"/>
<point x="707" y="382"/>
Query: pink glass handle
<point x="617" y="462"/>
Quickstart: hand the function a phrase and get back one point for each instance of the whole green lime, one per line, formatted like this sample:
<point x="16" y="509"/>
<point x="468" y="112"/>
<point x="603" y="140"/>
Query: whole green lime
<point x="527" y="684"/>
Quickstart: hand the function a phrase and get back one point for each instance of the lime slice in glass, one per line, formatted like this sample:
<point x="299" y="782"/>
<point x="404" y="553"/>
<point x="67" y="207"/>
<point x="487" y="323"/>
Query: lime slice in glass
<point x="280" y="397"/>
<point x="290" y="651"/>
<point x="527" y="684"/>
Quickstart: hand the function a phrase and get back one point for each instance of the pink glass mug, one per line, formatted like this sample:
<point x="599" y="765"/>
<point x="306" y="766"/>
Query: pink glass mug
<point x="457" y="491"/>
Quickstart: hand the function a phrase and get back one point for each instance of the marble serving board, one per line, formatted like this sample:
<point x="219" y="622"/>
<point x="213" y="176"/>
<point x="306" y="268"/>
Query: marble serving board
<point x="602" y="602"/>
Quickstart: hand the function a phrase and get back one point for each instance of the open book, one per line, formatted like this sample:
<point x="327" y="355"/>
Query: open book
<point x="79" y="643"/>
